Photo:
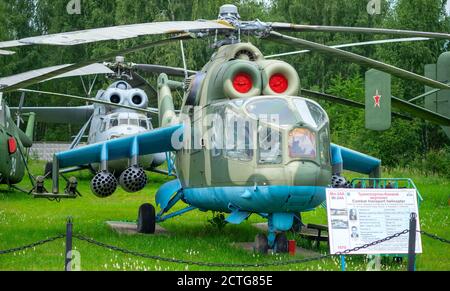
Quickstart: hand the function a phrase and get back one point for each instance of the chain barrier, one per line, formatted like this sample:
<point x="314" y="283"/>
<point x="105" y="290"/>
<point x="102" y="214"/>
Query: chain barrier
<point x="228" y="265"/>
<point x="30" y="246"/>
<point x="435" y="237"/>
<point x="219" y="265"/>
<point x="201" y="264"/>
<point x="346" y="252"/>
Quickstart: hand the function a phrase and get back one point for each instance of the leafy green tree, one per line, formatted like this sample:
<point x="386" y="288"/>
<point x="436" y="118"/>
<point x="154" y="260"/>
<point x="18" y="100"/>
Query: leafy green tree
<point x="401" y="145"/>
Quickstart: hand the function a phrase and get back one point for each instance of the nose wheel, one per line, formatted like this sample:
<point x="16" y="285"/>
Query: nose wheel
<point x="281" y="243"/>
<point x="146" y="219"/>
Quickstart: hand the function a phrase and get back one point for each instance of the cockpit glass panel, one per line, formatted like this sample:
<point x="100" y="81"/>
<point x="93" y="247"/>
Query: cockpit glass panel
<point x="103" y="126"/>
<point x="238" y="137"/>
<point x="143" y="123"/>
<point x="318" y="114"/>
<point x="123" y="121"/>
<point x="324" y="147"/>
<point x="134" y="122"/>
<point x="113" y="122"/>
<point x="275" y="111"/>
<point x="302" y="144"/>
<point x="310" y="113"/>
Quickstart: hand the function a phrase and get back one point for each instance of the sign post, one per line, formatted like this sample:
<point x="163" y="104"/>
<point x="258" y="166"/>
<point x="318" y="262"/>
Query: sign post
<point x="343" y="264"/>
<point x="68" y="258"/>
<point x="357" y="217"/>
<point x="412" y="243"/>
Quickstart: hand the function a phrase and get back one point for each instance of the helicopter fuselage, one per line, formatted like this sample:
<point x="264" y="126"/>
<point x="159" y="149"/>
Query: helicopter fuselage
<point x="110" y="123"/>
<point x="249" y="144"/>
<point x="12" y="144"/>
<point x="246" y="161"/>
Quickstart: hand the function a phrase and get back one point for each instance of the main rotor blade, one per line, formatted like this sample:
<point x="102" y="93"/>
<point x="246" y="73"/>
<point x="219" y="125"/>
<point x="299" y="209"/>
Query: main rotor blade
<point x="139" y="82"/>
<point x="374" y="42"/>
<point x="275" y="36"/>
<point x="93" y="69"/>
<point x="37" y="77"/>
<point x="397" y="103"/>
<point x="156" y="69"/>
<point x="318" y="28"/>
<point x="120" y="33"/>
<point x="342" y="101"/>
<point x="11" y="43"/>
<point x="420" y="112"/>
<point x="331" y="98"/>
<point x="88" y="100"/>
<point x="6" y="53"/>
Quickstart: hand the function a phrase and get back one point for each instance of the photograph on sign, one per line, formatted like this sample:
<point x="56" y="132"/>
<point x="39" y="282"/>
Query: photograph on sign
<point x="357" y="217"/>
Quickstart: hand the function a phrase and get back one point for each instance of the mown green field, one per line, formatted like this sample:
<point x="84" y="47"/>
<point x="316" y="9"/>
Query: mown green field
<point x="24" y="220"/>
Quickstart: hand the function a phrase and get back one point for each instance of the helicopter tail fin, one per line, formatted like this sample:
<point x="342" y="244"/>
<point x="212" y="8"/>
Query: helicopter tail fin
<point x="378" y="100"/>
<point x="439" y="102"/>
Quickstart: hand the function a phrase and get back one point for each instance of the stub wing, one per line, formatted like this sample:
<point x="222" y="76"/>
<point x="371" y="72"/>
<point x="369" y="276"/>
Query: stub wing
<point x="156" y="141"/>
<point x="347" y="159"/>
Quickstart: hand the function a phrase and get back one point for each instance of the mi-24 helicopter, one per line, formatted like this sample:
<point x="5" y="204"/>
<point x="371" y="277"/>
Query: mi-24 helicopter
<point x="245" y="141"/>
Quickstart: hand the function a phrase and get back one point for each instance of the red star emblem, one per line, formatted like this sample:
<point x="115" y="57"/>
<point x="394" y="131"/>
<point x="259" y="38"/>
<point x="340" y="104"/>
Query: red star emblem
<point x="377" y="99"/>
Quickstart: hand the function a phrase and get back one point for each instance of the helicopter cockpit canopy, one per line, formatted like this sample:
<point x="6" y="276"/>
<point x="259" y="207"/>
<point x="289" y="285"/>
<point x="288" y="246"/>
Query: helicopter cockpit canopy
<point x="125" y="119"/>
<point x="276" y="128"/>
<point x="284" y="111"/>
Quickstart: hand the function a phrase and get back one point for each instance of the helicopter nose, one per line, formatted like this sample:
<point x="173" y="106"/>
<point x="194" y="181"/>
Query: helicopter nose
<point x="304" y="173"/>
<point x="126" y="131"/>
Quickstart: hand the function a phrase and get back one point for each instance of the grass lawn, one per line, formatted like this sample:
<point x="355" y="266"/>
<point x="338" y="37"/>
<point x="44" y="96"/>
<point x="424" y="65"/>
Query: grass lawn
<point x="24" y="220"/>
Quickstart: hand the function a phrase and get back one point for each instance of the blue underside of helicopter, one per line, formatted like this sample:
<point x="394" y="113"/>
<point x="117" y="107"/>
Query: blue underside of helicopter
<point x="278" y="203"/>
<point x="256" y="199"/>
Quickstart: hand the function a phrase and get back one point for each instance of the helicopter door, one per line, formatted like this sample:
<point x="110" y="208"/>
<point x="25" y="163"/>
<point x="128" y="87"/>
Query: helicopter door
<point x="197" y="154"/>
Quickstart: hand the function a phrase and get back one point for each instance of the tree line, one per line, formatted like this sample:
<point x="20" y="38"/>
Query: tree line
<point x="408" y="143"/>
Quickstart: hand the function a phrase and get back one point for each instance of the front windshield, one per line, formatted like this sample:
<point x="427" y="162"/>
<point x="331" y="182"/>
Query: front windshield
<point x="310" y="113"/>
<point x="134" y="122"/>
<point x="143" y="123"/>
<point x="272" y="110"/>
<point x="115" y="121"/>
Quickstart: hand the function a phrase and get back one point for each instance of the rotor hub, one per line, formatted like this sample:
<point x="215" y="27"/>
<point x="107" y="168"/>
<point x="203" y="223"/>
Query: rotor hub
<point x="229" y="12"/>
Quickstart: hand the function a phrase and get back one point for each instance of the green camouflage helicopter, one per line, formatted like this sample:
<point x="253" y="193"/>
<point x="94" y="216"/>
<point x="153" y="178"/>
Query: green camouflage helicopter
<point x="13" y="145"/>
<point x="245" y="141"/>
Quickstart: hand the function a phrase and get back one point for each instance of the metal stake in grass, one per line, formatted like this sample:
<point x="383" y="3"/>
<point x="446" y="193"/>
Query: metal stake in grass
<point x="68" y="259"/>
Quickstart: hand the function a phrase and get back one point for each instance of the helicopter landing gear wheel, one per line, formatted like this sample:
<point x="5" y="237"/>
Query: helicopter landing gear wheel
<point x="146" y="219"/>
<point x="281" y="243"/>
<point x="261" y="244"/>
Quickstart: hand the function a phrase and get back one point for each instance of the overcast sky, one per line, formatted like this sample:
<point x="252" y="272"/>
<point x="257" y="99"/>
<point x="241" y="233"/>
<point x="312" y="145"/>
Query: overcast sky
<point x="448" y="7"/>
